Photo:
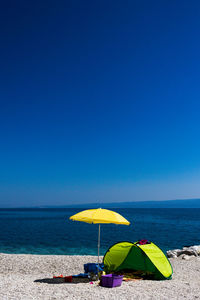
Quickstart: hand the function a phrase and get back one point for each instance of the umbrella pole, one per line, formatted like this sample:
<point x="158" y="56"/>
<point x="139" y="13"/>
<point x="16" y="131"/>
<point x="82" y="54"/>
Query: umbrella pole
<point x="98" y="248"/>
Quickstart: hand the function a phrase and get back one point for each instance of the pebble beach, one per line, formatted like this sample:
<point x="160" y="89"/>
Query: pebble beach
<point x="24" y="276"/>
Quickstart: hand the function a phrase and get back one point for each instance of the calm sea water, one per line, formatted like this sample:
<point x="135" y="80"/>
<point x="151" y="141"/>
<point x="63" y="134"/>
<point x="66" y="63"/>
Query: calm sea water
<point x="49" y="231"/>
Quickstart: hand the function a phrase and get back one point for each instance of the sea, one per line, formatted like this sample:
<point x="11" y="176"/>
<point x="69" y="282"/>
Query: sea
<point x="49" y="231"/>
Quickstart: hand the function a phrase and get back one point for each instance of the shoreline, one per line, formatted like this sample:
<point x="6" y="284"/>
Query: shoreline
<point x="25" y="276"/>
<point x="166" y="252"/>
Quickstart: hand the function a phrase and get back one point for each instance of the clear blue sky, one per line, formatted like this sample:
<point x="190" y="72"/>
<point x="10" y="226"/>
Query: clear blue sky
<point x="99" y="101"/>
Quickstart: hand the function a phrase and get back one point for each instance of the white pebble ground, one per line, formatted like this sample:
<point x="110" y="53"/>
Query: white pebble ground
<point x="29" y="277"/>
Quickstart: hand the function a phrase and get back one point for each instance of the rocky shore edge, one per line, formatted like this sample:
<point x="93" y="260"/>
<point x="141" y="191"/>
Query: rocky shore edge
<point x="186" y="252"/>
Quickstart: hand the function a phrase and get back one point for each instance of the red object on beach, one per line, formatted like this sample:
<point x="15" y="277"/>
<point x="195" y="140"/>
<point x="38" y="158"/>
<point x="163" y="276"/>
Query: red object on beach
<point x="60" y="276"/>
<point x="68" y="278"/>
<point x="59" y="279"/>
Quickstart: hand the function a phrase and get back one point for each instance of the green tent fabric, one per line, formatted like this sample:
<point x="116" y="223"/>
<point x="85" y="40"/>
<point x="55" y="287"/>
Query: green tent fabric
<point x="147" y="258"/>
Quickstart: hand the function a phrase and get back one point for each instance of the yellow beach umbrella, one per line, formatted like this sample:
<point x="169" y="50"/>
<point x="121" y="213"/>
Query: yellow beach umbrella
<point x="99" y="216"/>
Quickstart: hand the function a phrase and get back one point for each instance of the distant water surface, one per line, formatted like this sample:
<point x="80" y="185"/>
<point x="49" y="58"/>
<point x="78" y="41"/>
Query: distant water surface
<point x="49" y="231"/>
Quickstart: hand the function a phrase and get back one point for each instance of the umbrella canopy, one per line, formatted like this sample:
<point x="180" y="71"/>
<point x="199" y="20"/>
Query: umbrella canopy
<point x="99" y="216"/>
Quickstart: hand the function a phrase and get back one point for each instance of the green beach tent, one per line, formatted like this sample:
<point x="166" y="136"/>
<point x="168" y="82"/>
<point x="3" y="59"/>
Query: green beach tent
<point x="147" y="258"/>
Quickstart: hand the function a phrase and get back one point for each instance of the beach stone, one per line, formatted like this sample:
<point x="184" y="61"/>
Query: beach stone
<point x="190" y="251"/>
<point x="196" y="248"/>
<point x="186" y="257"/>
<point x="171" y="254"/>
<point x="180" y="252"/>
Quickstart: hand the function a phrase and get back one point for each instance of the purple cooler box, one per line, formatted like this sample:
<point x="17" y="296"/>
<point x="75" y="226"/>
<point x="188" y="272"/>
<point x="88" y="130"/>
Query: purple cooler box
<point x="111" y="280"/>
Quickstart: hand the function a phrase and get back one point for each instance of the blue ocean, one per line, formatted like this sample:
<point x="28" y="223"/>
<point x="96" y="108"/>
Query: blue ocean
<point x="49" y="231"/>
